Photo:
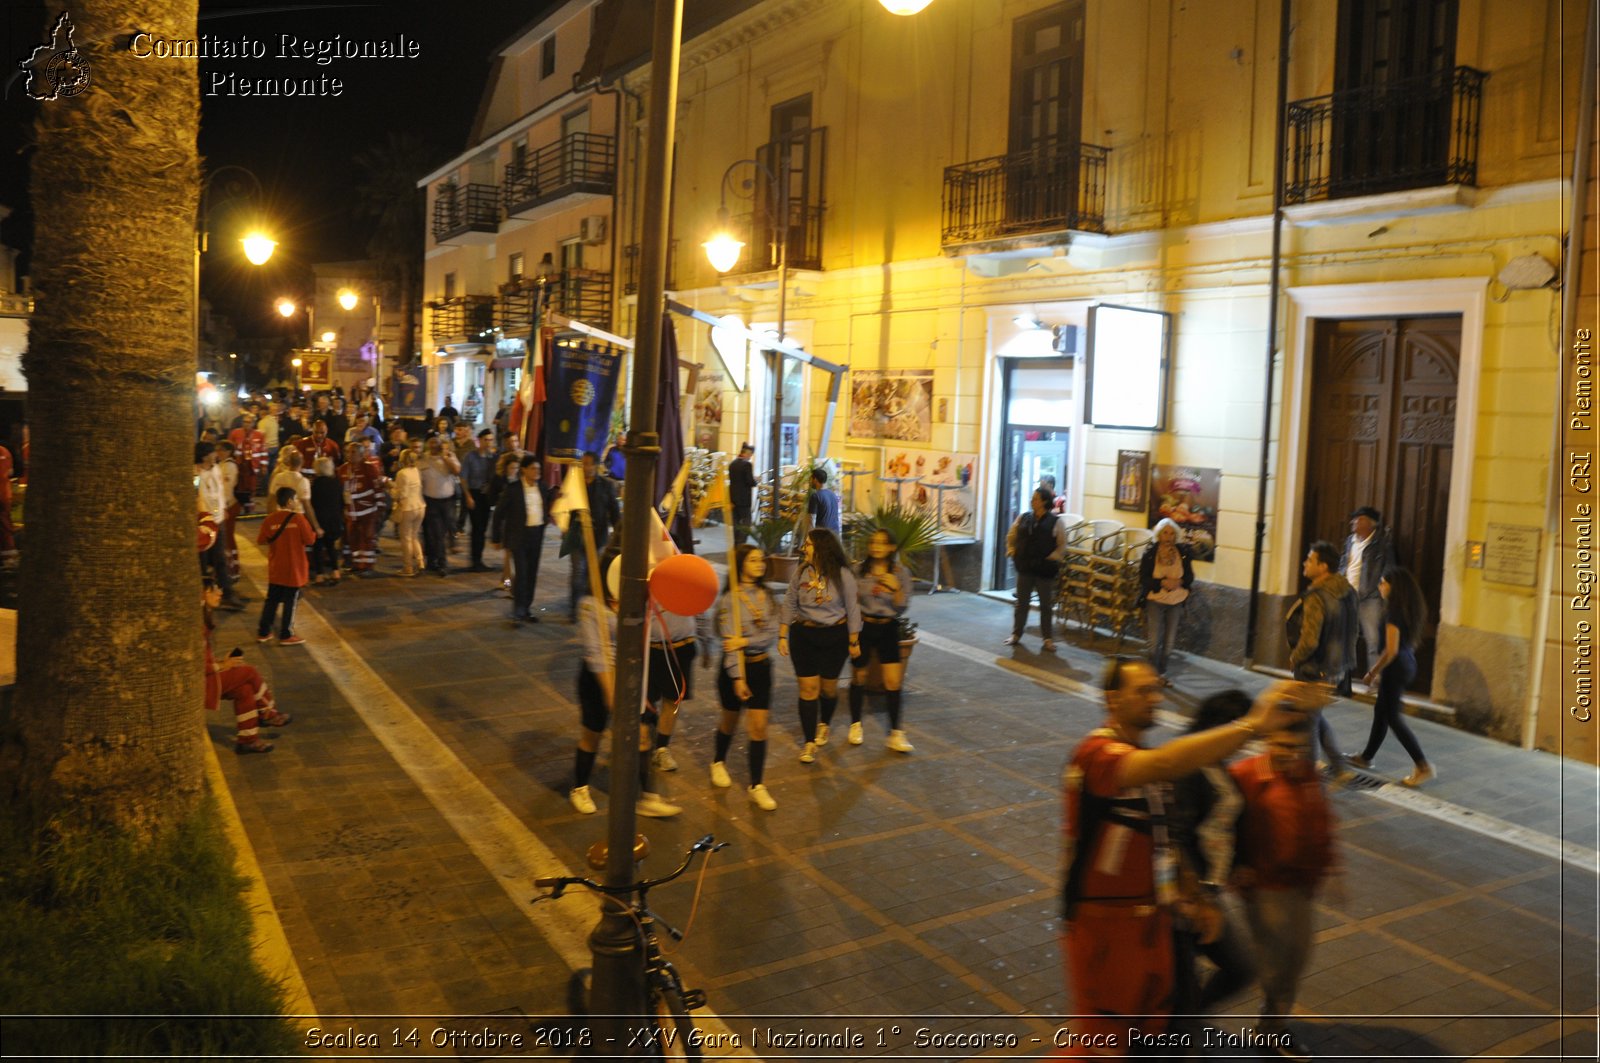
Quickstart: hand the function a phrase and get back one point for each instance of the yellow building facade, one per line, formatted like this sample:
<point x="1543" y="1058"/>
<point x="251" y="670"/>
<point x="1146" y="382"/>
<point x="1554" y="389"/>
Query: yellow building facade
<point x="963" y="191"/>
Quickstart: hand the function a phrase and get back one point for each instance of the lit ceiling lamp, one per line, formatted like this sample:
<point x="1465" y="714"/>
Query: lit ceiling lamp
<point x="723" y="248"/>
<point x="348" y="298"/>
<point x="258" y="247"/>
<point x="904" y="7"/>
<point x="286" y="307"/>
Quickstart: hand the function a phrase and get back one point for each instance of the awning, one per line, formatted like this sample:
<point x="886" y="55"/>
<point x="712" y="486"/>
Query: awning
<point x="505" y="363"/>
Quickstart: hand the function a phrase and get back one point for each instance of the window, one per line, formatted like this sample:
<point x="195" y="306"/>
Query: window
<point x="449" y="285"/>
<point x="516" y="266"/>
<point x="547" y="57"/>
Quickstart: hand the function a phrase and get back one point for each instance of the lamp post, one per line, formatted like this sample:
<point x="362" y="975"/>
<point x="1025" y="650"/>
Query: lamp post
<point x="349" y="299"/>
<point x="723" y="250"/>
<point x="258" y="247"/>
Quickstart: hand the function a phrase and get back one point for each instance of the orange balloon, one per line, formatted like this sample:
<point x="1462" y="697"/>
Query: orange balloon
<point x="684" y="584"/>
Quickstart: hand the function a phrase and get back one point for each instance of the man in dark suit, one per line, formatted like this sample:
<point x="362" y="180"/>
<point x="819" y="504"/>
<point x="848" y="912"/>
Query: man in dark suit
<point x="741" y="487"/>
<point x="1368" y="554"/>
<point x="525" y="505"/>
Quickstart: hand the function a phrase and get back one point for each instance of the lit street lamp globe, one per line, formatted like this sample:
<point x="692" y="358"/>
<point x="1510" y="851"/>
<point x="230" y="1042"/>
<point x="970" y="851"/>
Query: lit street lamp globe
<point x="348" y="298"/>
<point x="258" y="247"/>
<point x="723" y="251"/>
<point x="286" y="307"/>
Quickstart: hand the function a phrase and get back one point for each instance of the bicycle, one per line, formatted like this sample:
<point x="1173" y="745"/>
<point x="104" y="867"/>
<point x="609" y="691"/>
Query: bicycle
<point x="672" y="1031"/>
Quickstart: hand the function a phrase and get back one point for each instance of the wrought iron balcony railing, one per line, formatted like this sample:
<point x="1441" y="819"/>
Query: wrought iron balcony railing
<point x="1413" y="133"/>
<point x="459" y="210"/>
<point x="583" y="294"/>
<point x="630" y="267"/>
<point x="579" y="162"/>
<point x="799" y="160"/>
<point x="1046" y="189"/>
<point x="462" y="318"/>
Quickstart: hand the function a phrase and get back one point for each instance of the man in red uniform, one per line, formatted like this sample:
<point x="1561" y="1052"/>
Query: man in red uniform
<point x="250" y="451"/>
<point x="317" y="445"/>
<point x="363" y="481"/>
<point x="1122" y="890"/>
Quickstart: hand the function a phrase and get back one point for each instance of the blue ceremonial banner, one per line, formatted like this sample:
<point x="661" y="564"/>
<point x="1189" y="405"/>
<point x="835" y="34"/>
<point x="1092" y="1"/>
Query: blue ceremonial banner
<point x="409" y="391"/>
<point x="580" y="389"/>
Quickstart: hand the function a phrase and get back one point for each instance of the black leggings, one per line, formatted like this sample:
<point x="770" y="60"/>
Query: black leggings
<point x="1386" y="712"/>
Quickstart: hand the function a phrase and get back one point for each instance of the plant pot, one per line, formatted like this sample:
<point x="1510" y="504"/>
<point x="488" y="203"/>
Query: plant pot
<point x="780" y="568"/>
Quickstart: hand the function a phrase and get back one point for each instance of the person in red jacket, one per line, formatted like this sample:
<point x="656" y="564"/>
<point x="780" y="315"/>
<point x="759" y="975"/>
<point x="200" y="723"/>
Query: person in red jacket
<point x="287" y="536"/>
<point x="250" y="450"/>
<point x="253" y="706"/>
<point x="363" y="480"/>
<point x="1285" y="852"/>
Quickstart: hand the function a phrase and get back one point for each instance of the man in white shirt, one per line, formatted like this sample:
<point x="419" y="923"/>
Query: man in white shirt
<point x="214" y="500"/>
<point x="439" y="469"/>
<point x="526" y="504"/>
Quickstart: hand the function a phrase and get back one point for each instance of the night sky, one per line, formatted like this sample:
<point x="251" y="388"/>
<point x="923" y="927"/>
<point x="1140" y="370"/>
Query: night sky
<point x="300" y="148"/>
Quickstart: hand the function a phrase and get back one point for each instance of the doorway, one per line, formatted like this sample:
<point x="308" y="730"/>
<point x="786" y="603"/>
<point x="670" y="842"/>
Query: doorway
<point x="1382" y="434"/>
<point x="1035" y="441"/>
<point x="1047" y="59"/>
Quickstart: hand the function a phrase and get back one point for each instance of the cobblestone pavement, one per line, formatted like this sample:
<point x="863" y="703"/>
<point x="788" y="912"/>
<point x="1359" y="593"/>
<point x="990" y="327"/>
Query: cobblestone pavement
<point x="422" y="786"/>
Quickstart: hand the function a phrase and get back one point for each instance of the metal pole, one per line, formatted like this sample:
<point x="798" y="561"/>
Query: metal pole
<point x="617" y="998"/>
<point x="780" y="180"/>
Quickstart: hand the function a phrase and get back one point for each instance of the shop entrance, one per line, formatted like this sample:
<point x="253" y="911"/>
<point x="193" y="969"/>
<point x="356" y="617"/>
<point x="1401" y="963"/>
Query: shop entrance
<point x="1036" y="441"/>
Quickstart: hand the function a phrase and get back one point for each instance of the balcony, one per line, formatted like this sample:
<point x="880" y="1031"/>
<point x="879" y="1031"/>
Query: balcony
<point x="466" y="214"/>
<point x="630" y="268"/>
<point x="578" y="164"/>
<point x="1413" y="133"/>
<point x="582" y="294"/>
<point x="800" y="159"/>
<point x="1045" y="190"/>
<point x="463" y="319"/>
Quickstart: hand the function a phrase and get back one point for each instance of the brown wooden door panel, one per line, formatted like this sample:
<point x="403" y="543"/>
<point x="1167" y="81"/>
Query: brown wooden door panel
<point x="1382" y="430"/>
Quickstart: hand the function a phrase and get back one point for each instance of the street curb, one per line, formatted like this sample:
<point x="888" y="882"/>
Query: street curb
<point x="268" y="942"/>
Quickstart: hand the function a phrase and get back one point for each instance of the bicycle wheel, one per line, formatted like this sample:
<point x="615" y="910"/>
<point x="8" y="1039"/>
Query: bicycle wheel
<point x="675" y="1030"/>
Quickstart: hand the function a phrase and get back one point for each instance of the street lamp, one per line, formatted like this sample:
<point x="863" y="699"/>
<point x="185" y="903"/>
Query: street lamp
<point x="349" y="299"/>
<point x="723" y="250"/>
<point x="258" y="247"/>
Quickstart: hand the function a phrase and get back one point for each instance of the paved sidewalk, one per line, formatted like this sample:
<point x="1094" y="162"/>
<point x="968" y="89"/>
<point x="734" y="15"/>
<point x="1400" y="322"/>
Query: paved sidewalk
<point x="423" y="783"/>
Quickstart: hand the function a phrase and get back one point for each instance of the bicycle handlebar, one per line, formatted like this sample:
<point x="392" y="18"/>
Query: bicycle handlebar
<point x="558" y="885"/>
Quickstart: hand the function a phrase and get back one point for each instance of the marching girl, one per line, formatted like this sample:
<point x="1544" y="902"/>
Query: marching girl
<point x="597" y="631"/>
<point x="744" y="681"/>
<point x="822" y="611"/>
<point x="882" y="584"/>
<point x="672" y="654"/>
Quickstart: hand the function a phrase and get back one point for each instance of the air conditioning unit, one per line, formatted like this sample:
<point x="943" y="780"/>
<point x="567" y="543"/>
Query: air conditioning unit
<point x="592" y="230"/>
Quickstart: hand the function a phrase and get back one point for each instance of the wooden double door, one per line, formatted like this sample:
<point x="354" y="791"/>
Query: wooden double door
<point x="1382" y="432"/>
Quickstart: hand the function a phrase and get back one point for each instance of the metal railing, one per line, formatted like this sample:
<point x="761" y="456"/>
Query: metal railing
<point x="584" y="294"/>
<point x="1412" y="133"/>
<point x="578" y="162"/>
<point x="462" y="318"/>
<point x="630" y="267"/>
<point x="1041" y="190"/>
<point x="465" y="208"/>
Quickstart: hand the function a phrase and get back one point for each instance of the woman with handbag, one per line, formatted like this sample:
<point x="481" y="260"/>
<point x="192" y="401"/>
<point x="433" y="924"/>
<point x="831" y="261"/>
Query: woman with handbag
<point x="1165" y="576"/>
<point x="1405" y="611"/>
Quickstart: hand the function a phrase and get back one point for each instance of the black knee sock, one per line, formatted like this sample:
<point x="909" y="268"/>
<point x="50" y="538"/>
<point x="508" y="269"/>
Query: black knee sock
<point x="644" y="772"/>
<point x="858" y="697"/>
<point x="808" y="719"/>
<point x="758" y="760"/>
<point x="662" y="740"/>
<point x="582" y="767"/>
<point x="723" y="742"/>
<point x="830" y="702"/>
<point x="892" y="699"/>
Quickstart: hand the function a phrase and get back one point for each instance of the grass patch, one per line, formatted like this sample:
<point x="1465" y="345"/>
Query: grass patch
<point x="144" y="953"/>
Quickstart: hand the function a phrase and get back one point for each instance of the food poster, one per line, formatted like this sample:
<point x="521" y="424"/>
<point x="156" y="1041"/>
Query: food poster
<point x="1190" y="497"/>
<point x="892" y="404"/>
<point x="708" y="410"/>
<point x="933" y="469"/>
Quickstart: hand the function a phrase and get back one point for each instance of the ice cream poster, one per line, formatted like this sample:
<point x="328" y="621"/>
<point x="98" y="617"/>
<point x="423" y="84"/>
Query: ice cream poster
<point x="1189" y="496"/>
<point x="933" y="470"/>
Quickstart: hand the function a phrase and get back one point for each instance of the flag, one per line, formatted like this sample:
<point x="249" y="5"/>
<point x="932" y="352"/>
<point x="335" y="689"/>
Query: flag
<point x="669" y="426"/>
<point x="526" y="407"/>
<point x="574" y="497"/>
<point x="661" y="544"/>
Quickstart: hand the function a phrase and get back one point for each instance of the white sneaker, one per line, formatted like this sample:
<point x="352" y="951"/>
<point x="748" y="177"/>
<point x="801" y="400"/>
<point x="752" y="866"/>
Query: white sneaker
<point x="663" y="760"/>
<point x="719" y="774"/>
<point x="822" y="735"/>
<point x="856" y="738"/>
<point x="581" y="800"/>
<point x="899" y="743"/>
<point x="761" y="799"/>
<point x="654" y="806"/>
<point x="808" y="755"/>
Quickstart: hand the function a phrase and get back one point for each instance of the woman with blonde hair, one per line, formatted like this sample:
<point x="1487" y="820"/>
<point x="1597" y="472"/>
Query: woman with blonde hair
<point x="1165" y="575"/>
<point x="408" y="510"/>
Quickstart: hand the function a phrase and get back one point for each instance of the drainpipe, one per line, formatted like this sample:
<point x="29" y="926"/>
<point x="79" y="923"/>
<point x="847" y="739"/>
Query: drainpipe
<point x="1274" y="290"/>
<point x="1570" y="269"/>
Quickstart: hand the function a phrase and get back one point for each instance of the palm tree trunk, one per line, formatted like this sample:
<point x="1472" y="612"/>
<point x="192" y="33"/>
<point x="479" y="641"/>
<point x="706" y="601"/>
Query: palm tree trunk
<point x="110" y="674"/>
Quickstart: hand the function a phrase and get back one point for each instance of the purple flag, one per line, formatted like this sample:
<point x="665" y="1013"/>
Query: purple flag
<point x="669" y="425"/>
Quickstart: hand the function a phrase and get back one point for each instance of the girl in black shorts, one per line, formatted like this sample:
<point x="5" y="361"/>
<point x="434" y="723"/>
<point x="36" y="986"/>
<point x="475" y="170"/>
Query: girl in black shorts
<point x="672" y="654"/>
<point x="597" y="630"/>
<point x="883" y="585"/>
<point x="822" y="615"/>
<point x="744" y="680"/>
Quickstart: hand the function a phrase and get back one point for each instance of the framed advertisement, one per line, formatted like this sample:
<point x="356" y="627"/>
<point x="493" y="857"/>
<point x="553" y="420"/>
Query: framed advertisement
<point x="1189" y="497"/>
<point x="1133" y="479"/>
<point x="1127" y="368"/>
